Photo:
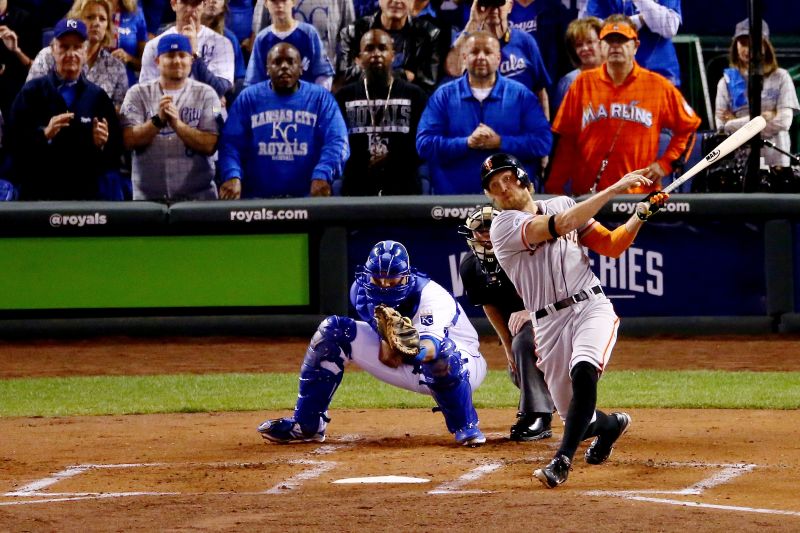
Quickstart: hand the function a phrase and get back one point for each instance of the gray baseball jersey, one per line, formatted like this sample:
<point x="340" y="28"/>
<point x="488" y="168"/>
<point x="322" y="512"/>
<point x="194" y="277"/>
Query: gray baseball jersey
<point x="546" y="272"/>
<point x="167" y="169"/>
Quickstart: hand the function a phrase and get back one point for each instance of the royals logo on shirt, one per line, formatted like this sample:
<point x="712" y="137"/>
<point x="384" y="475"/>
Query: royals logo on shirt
<point x="426" y="317"/>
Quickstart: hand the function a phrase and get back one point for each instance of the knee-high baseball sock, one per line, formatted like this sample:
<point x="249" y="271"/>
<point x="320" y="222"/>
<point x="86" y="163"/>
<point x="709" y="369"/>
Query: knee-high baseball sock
<point x="581" y="408"/>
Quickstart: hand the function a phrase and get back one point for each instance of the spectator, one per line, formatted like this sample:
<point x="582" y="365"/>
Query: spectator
<point x="519" y="53"/>
<point x="657" y="22"/>
<point x="19" y="41"/>
<point x="214" y="14"/>
<point x="317" y="68"/>
<point x="328" y="17"/>
<point x="153" y="11"/>
<point x="585" y="51"/>
<point x="382" y="114"/>
<point x="100" y="67"/>
<point x="611" y="117"/>
<point x="131" y="36"/>
<point x="416" y="45"/>
<point x="479" y="113"/>
<point x="213" y="53"/>
<point x="63" y="132"/>
<point x="239" y="19"/>
<point x="283" y="137"/>
<point x="546" y="21"/>
<point x="778" y="95"/>
<point x="172" y="125"/>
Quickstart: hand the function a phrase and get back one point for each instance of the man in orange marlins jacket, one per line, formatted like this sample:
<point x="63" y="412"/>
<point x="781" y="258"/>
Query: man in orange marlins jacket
<point x="611" y="117"/>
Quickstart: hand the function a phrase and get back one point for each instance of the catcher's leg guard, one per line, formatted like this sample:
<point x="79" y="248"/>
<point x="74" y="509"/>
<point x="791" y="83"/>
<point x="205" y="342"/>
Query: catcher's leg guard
<point x="448" y="380"/>
<point x="322" y="372"/>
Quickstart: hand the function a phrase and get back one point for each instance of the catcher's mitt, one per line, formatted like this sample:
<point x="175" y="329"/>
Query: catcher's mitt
<point x="398" y="331"/>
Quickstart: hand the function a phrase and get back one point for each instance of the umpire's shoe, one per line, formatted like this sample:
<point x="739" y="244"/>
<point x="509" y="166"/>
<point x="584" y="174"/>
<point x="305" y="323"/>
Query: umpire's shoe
<point x="555" y="473"/>
<point x="600" y="448"/>
<point x="530" y="427"/>
<point x="284" y="430"/>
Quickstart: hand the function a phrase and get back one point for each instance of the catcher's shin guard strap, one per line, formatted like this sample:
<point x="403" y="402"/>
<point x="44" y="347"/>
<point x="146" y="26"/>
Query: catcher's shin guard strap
<point x="322" y="370"/>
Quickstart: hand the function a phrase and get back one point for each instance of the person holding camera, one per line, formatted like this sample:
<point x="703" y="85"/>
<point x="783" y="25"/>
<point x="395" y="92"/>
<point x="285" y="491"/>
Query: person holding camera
<point x="520" y="58"/>
<point x="63" y="133"/>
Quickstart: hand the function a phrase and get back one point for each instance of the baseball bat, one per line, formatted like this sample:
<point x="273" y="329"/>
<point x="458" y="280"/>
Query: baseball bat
<point x="738" y="138"/>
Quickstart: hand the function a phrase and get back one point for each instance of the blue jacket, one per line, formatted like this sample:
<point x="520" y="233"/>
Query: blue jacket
<point x="452" y="115"/>
<point x="276" y="144"/>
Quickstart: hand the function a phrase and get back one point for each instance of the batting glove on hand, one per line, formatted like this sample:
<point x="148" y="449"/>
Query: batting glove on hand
<point x="651" y="204"/>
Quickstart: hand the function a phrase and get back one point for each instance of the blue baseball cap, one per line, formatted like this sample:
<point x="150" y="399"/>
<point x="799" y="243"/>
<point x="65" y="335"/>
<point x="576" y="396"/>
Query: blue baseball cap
<point x="67" y="26"/>
<point x="174" y="42"/>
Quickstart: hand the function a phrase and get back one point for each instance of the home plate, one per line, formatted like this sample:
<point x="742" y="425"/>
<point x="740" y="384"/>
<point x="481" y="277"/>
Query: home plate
<point x="383" y="479"/>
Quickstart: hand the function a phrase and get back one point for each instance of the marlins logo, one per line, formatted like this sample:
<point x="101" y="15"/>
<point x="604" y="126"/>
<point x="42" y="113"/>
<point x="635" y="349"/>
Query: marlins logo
<point x="426" y="317"/>
<point x="712" y="156"/>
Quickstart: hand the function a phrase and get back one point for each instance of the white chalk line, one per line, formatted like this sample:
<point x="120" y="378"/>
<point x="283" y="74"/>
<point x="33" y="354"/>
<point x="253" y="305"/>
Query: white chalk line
<point x="454" y="487"/>
<point x="35" y="488"/>
<point x="728" y="473"/>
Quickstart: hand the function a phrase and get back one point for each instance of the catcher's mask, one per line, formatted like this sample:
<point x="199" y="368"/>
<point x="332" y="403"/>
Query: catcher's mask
<point x="386" y="276"/>
<point x="497" y="162"/>
<point x="476" y="231"/>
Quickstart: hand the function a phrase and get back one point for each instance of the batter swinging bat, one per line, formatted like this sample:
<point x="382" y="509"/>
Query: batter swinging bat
<point x="738" y="138"/>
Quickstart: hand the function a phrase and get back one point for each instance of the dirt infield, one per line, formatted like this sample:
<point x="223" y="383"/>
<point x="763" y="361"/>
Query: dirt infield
<point x="708" y="470"/>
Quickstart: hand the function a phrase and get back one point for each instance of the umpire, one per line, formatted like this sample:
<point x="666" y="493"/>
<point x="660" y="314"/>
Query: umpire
<point x="488" y="286"/>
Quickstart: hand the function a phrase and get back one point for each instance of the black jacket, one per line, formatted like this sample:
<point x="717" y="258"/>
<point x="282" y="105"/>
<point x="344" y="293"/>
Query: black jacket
<point x="395" y="130"/>
<point x="417" y="45"/>
<point x="69" y="166"/>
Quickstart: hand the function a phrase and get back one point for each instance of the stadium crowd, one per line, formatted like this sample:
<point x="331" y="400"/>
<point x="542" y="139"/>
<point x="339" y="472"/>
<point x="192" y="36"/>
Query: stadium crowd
<point x="171" y="100"/>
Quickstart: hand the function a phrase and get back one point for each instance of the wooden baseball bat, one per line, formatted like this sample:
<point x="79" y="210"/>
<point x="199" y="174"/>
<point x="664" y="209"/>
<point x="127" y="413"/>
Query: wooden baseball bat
<point x="738" y="138"/>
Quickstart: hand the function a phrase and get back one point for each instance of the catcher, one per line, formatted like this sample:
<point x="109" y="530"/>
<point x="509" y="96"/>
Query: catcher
<point x="434" y="352"/>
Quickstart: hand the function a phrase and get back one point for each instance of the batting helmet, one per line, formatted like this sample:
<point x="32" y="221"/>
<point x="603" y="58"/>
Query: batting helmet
<point x="387" y="276"/>
<point x="497" y="162"/>
<point x="476" y="229"/>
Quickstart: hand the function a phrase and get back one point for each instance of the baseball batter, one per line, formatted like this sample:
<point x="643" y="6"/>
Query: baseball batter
<point x="449" y="366"/>
<point x="540" y="244"/>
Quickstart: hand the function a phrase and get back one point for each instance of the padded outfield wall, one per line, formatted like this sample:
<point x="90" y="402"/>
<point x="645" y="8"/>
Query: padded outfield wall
<point x="710" y="263"/>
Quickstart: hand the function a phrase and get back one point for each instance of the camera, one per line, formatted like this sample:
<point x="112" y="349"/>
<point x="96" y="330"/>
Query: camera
<point x="491" y="3"/>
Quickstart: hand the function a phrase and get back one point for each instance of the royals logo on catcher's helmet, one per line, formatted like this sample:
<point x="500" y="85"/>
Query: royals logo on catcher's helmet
<point x="497" y="162"/>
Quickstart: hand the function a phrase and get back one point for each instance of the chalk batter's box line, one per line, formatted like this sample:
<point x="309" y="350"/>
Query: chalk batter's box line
<point x="728" y="472"/>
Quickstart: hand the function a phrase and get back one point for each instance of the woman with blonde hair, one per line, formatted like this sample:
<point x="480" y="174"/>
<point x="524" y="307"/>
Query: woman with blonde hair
<point x="778" y="95"/>
<point x="131" y="36"/>
<point x="101" y="68"/>
<point x="585" y="50"/>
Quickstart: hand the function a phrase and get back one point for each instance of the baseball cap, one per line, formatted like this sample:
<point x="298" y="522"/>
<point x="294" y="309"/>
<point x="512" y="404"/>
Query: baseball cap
<point x="743" y="28"/>
<point x="174" y="42"/>
<point x="619" y="28"/>
<point x="66" y="26"/>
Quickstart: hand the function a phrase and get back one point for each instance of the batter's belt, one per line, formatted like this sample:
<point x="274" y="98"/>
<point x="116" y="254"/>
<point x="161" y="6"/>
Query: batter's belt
<point x="585" y="294"/>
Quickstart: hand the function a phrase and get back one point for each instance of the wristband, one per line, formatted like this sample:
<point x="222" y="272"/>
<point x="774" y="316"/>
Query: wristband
<point x="157" y="122"/>
<point x="551" y="226"/>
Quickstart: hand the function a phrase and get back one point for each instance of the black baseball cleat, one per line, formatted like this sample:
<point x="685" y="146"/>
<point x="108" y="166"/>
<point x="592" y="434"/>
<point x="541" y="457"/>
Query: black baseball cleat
<point x="601" y="447"/>
<point x="555" y="473"/>
<point x="530" y="427"/>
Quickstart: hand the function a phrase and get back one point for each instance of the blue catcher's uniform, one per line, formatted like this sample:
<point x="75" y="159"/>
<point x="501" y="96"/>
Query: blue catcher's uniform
<point x="449" y="378"/>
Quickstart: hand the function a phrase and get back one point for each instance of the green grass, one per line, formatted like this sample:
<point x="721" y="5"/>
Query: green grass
<point x="105" y="395"/>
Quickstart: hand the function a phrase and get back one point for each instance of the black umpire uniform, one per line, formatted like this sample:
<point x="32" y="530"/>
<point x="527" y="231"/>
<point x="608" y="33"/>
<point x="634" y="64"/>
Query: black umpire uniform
<point x="535" y="405"/>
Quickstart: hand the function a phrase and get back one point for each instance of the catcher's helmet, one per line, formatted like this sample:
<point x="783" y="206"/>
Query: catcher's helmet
<point x="386" y="276"/>
<point x="497" y="162"/>
<point x="479" y="222"/>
